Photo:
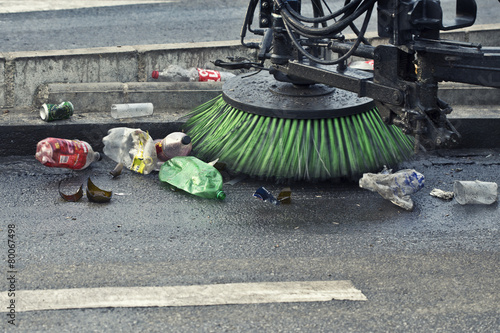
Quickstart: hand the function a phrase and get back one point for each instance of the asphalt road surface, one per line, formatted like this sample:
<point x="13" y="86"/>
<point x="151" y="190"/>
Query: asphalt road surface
<point x="431" y="269"/>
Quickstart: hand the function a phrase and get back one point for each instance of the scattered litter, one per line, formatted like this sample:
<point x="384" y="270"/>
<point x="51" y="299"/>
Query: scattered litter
<point x="95" y="194"/>
<point x="265" y="195"/>
<point x="442" y="194"/>
<point x="285" y="196"/>
<point x="174" y="144"/>
<point x="71" y="197"/>
<point x="475" y="192"/>
<point x="50" y="112"/>
<point x="395" y="187"/>
<point x="175" y="73"/>
<point x="63" y="153"/>
<point x="133" y="148"/>
<point x="117" y="170"/>
<point x="194" y="176"/>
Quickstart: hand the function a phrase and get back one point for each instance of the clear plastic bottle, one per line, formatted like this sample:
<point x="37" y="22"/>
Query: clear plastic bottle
<point x="63" y="153"/>
<point x="194" y="176"/>
<point x="175" y="73"/>
<point x="132" y="147"/>
<point x="131" y="110"/>
<point x="174" y="144"/>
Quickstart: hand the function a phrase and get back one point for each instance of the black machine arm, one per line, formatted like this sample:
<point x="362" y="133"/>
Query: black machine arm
<point x="406" y="72"/>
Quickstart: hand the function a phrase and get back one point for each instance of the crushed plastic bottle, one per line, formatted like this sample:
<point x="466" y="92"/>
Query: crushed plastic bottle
<point x="175" y="73"/>
<point x="174" y="144"/>
<point x="194" y="176"/>
<point x="63" y="153"/>
<point x="475" y="192"/>
<point x="132" y="147"/>
<point x="395" y="187"/>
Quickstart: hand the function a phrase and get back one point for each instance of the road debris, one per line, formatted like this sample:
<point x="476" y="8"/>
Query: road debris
<point x="63" y="153"/>
<point x="445" y="195"/>
<point x="117" y="170"/>
<point x="51" y="112"/>
<point x="95" y="194"/>
<point x="395" y="187"/>
<point x="194" y="176"/>
<point x="285" y="196"/>
<point x="263" y="194"/>
<point x="475" y="192"/>
<point x="71" y="197"/>
<point x="132" y="147"/>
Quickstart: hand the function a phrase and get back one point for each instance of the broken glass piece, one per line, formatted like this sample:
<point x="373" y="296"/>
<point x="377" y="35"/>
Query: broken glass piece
<point x="285" y="196"/>
<point x="71" y="197"/>
<point x="95" y="194"/>
<point x="117" y="170"/>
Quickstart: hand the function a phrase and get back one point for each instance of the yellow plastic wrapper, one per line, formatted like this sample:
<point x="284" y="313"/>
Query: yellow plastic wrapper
<point x="132" y="147"/>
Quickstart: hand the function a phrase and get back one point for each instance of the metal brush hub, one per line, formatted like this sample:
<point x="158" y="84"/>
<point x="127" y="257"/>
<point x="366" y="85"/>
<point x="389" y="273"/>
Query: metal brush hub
<point x="262" y="94"/>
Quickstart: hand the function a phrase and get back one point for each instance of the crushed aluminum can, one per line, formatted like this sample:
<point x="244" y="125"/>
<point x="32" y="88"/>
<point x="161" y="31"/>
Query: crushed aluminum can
<point x="50" y="112"/>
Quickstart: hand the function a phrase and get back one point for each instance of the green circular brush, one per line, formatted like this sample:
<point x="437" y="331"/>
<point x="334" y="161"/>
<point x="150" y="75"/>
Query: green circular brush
<point x="270" y="129"/>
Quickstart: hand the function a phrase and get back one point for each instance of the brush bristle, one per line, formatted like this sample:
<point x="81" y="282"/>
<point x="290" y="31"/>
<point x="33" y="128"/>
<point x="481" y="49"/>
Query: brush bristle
<point x="298" y="149"/>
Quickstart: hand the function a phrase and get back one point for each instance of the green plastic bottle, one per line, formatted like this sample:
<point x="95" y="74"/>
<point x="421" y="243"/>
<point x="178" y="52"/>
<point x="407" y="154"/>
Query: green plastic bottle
<point x="194" y="176"/>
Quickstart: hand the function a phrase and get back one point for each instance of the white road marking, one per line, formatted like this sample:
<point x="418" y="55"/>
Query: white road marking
<point x="196" y="295"/>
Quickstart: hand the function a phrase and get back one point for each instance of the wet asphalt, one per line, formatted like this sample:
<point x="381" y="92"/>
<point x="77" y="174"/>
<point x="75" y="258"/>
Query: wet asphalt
<point x="433" y="267"/>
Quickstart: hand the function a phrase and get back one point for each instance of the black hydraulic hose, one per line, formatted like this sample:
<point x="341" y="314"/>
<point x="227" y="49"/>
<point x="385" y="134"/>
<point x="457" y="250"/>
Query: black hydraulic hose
<point x="355" y="29"/>
<point x="357" y="33"/>
<point x="343" y="57"/>
<point x="334" y="28"/>
<point x="248" y="21"/>
<point x="326" y="18"/>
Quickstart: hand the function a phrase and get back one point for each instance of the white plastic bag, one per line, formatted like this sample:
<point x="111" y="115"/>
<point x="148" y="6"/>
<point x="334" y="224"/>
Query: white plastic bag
<point x="395" y="187"/>
<point x="134" y="148"/>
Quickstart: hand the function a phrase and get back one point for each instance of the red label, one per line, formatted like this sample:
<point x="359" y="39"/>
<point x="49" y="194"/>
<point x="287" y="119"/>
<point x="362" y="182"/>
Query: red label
<point x="70" y="154"/>
<point x="208" y="75"/>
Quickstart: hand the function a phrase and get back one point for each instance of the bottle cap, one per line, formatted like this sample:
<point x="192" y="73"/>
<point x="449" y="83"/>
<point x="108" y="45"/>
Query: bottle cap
<point x="221" y="195"/>
<point x="155" y="74"/>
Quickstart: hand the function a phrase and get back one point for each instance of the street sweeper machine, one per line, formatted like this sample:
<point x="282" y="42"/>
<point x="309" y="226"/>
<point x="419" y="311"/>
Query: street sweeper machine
<point x="304" y="113"/>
